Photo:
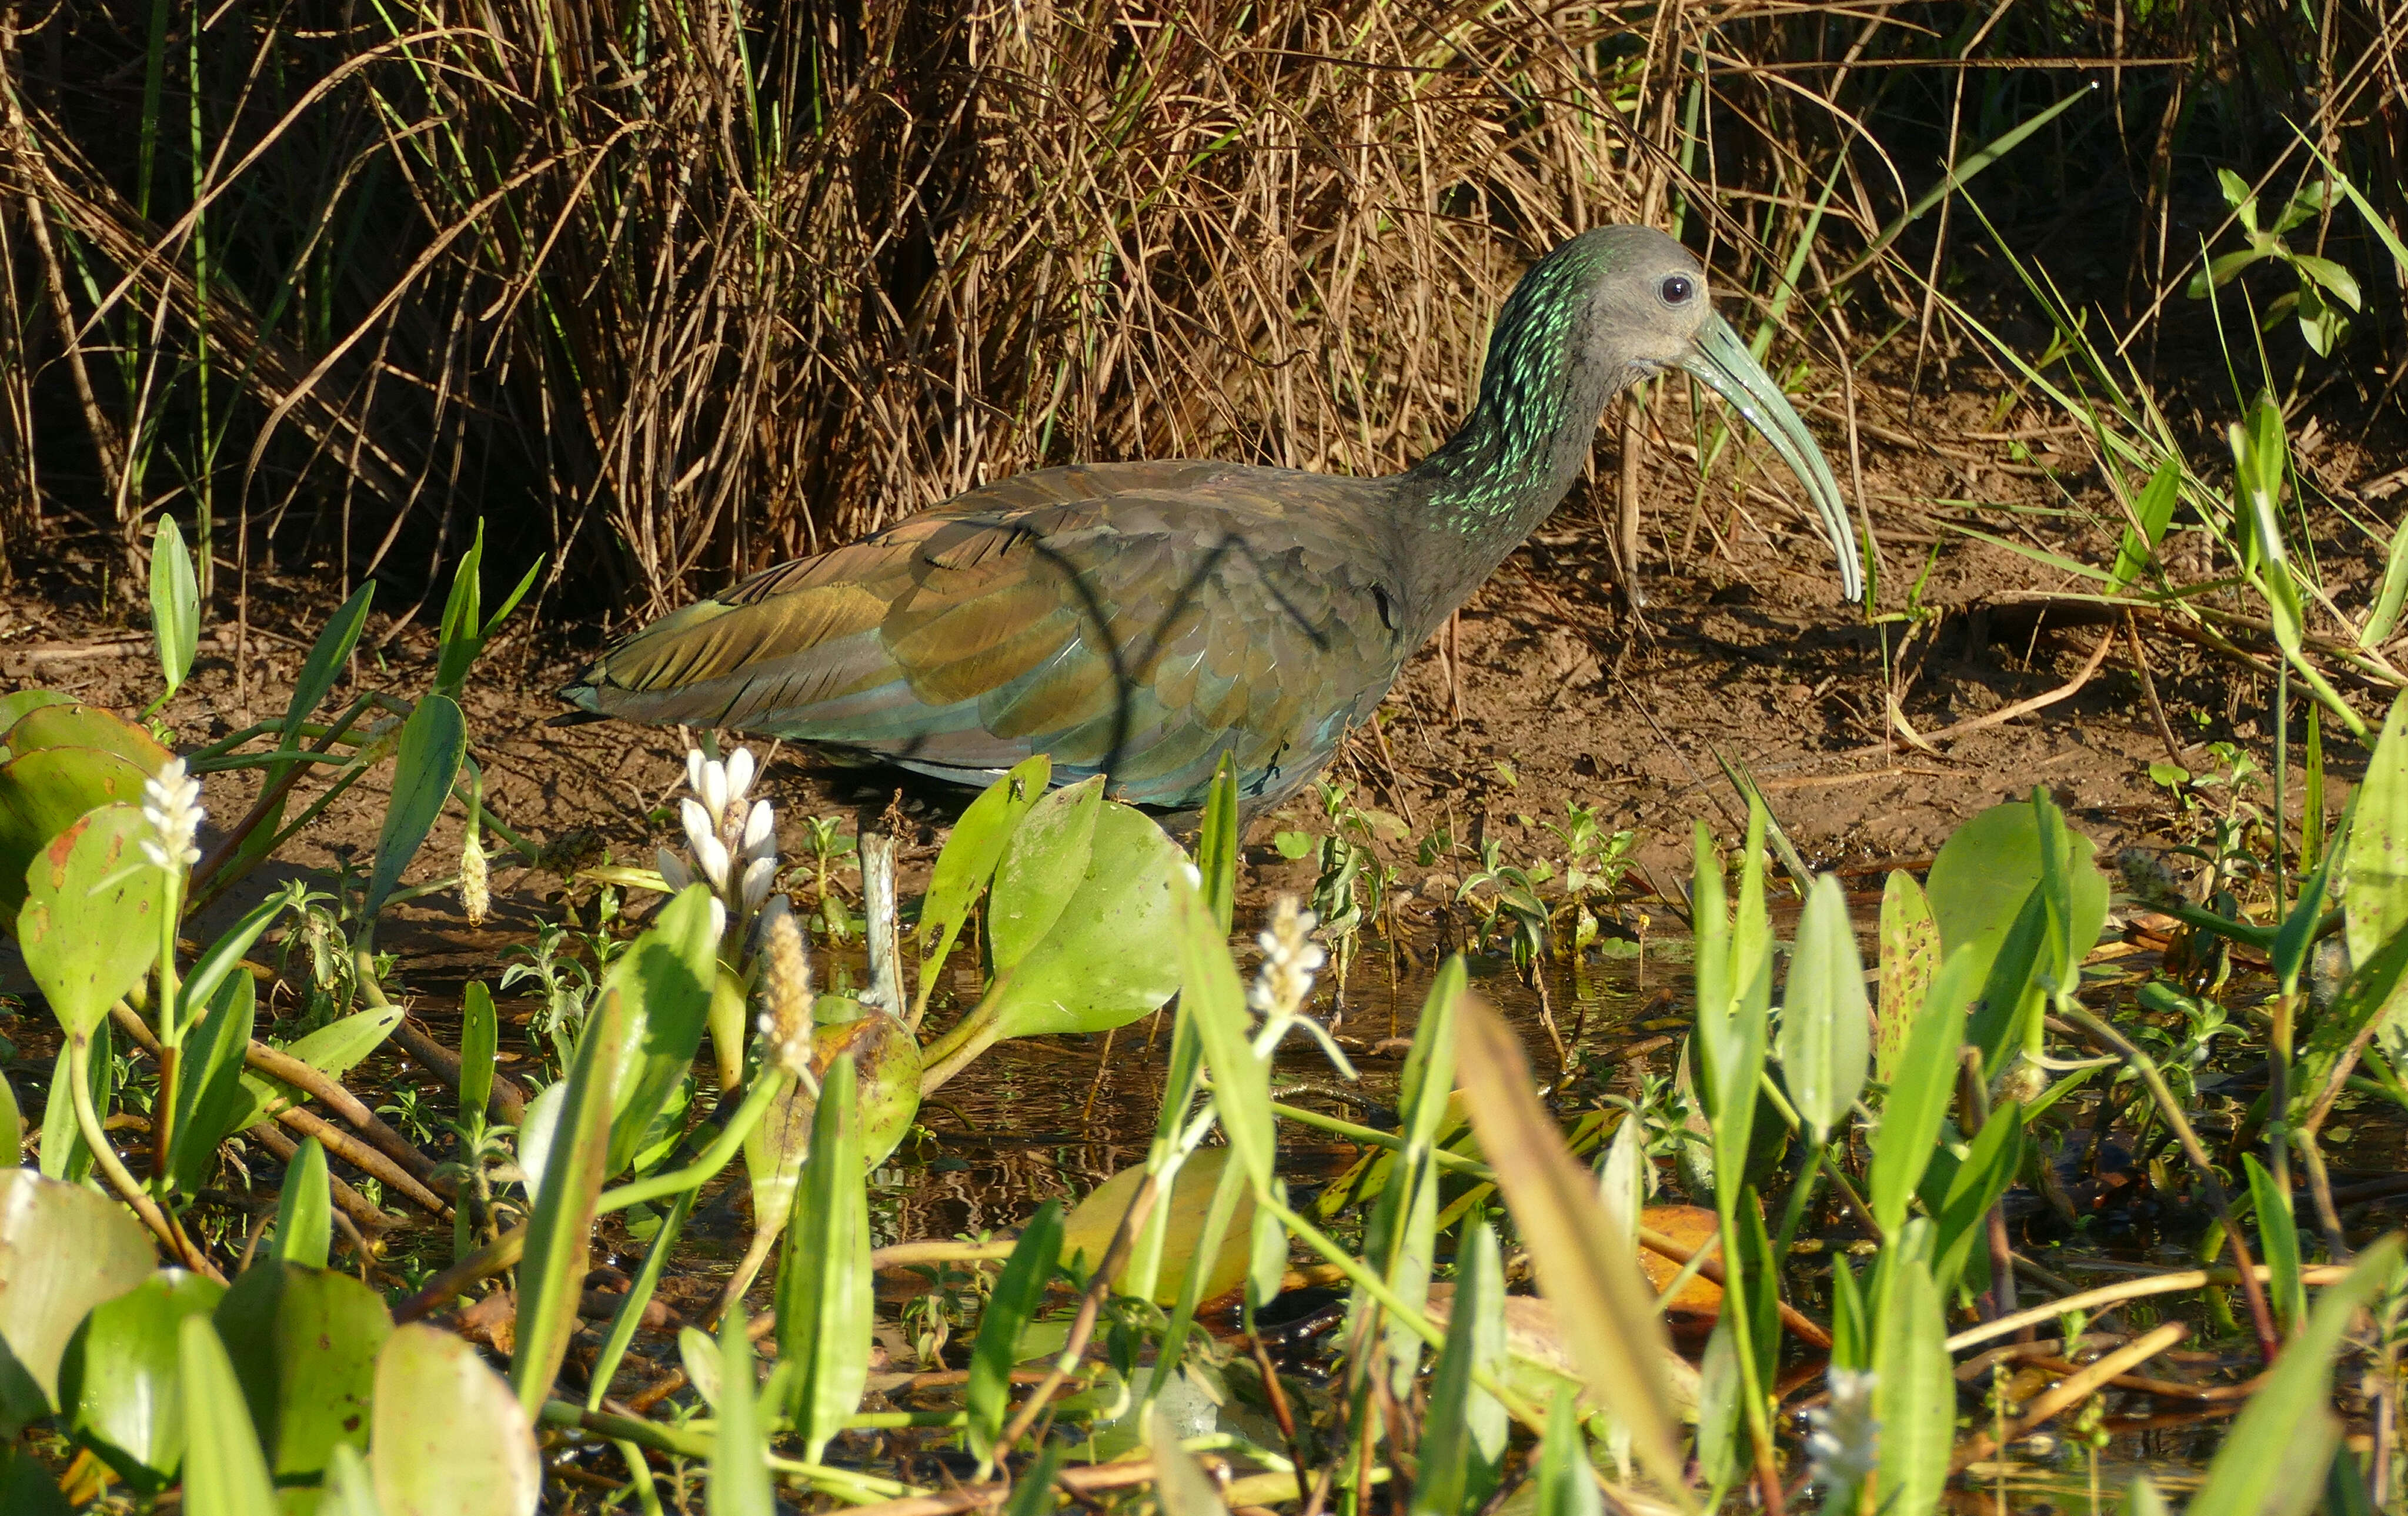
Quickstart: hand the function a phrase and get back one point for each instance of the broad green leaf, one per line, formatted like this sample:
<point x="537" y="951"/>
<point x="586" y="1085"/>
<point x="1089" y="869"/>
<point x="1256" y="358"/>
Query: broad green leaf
<point x="457" y="638"/>
<point x="740" y="1470"/>
<point x="73" y="727"/>
<point x="120" y="1387"/>
<point x="2278" y="1243"/>
<point x="451" y="1439"/>
<point x="1825" y="1020"/>
<point x="2264" y="1468"/>
<point x="1107" y="956"/>
<point x="969" y="856"/>
<point x="12" y="1124"/>
<point x="208" y="1084"/>
<point x="1919" y="1092"/>
<point x="2152" y="514"/>
<point x="63" y="1250"/>
<point x="559" y="1244"/>
<point x="1606" y="1309"/>
<point x="1915" y="1393"/>
<point x="304" y="1216"/>
<point x="303" y="1341"/>
<point x="225" y="1472"/>
<point x="825" y="1308"/>
<point x="44" y="792"/>
<point x="1910" y="955"/>
<point x="1044" y="860"/>
<point x="1018" y="1295"/>
<point x="2376" y="987"/>
<point x="18" y="702"/>
<point x="664" y="981"/>
<point x="91" y="924"/>
<point x="434" y="741"/>
<point x="1087" y="1231"/>
<point x="1986" y="869"/>
<point x="332" y="1051"/>
<point x="175" y="602"/>
<point x="1465" y="1429"/>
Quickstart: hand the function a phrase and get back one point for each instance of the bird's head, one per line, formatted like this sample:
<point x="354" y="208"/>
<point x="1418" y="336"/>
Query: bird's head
<point x="1642" y="305"/>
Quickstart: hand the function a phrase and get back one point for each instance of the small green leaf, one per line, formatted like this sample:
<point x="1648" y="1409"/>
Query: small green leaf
<point x="479" y="1039"/>
<point x="2374" y="863"/>
<point x="451" y="1439"/>
<point x="1217" y="851"/>
<point x="91" y="924"/>
<point x="1989" y="1166"/>
<point x="434" y="741"/>
<point x="225" y="1473"/>
<point x="2278" y="1241"/>
<point x="1292" y="844"/>
<point x="175" y="602"/>
<point x="1566" y="1486"/>
<point x="2151" y="514"/>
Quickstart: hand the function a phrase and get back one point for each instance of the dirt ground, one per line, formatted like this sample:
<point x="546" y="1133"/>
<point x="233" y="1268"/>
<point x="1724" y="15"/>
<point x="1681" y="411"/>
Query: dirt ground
<point x="1558" y="690"/>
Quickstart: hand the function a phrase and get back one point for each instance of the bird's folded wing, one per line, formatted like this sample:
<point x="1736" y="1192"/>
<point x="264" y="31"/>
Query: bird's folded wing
<point x="1140" y="628"/>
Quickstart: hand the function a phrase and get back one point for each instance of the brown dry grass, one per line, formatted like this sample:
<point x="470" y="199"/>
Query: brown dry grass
<point x="668" y="295"/>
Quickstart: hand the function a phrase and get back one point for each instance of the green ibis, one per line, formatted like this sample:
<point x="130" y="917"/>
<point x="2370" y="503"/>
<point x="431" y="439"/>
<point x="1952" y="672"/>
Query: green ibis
<point x="1141" y="620"/>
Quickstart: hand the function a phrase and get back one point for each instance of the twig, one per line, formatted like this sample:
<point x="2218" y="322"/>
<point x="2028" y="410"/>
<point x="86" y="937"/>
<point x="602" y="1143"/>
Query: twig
<point x="2071" y="1390"/>
<point x="1091" y="1303"/>
<point x="2149" y="688"/>
<point x="2007" y="713"/>
<point x="2109" y="1295"/>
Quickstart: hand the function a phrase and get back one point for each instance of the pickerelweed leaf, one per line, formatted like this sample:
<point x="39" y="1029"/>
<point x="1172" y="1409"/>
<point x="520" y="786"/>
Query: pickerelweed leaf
<point x="175" y="602"/>
<point x="1914" y="1391"/>
<point x="1044" y="860"/>
<point x="63" y="1250"/>
<point x="225" y="1471"/>
<point x="969" y="859"/>
<point x="1088" y="1229"/>
<point x="825" y="1308"/>
<point x="1217" y="852"/>
<point x="120" y="1383"/>
<point x="1465" y="1429"/>
<point x="481" y="1031"/>
<point x="1990" y="1165"/>
<point x="1017" y="1296"/>
<point x="303" y="1342"/>
<point x="449" y="1439"/>
<point x="304" y="1219"/>
<point x="1826" y="1018"/>
<point x="208" y="1084"/>
<point x="560" y="1228"/>
<point x="434" y="741"/>
<point x="664" y="980"/>
<point x="2278" y="1243"/>
<point x="1987" y="867"/>
<point x="91" y="924"/>
<point x="2374" y="864"/>
<point x="2273" y="1461"/>
<point x="1107" y="957"/>
<point x="1910" y="955"/>
<point x="1919" y="1091"/>
<point x="739" y="1452"/>
<point x="331" y="1049"/>
<point x="1607" y="1311"/>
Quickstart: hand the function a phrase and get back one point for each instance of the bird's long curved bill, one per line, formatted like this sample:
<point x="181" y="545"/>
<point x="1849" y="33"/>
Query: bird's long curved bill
<point x="1722" y="360"/>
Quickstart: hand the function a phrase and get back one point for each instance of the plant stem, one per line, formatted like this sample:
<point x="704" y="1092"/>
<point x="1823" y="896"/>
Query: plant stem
<point x="128" y="1189"/>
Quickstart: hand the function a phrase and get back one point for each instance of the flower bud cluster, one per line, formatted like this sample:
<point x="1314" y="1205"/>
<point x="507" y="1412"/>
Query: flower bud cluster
<point x="734" y="846"/>
<point x="171" y="803"/>
<point x="1283" y="983"/>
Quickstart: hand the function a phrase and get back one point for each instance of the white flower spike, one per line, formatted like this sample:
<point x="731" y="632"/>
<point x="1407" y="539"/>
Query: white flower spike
<point x="171" y="803"/>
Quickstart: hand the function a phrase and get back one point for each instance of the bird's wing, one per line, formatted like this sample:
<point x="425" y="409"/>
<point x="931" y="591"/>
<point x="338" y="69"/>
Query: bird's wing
<point x="1137" y="619"/>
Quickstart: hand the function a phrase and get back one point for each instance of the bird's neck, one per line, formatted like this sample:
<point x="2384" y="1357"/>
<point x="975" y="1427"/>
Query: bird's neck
<point x="1488" y="487"/>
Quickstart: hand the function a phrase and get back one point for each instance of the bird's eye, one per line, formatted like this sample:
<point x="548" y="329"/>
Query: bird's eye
<point x="1677" y="289"/>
